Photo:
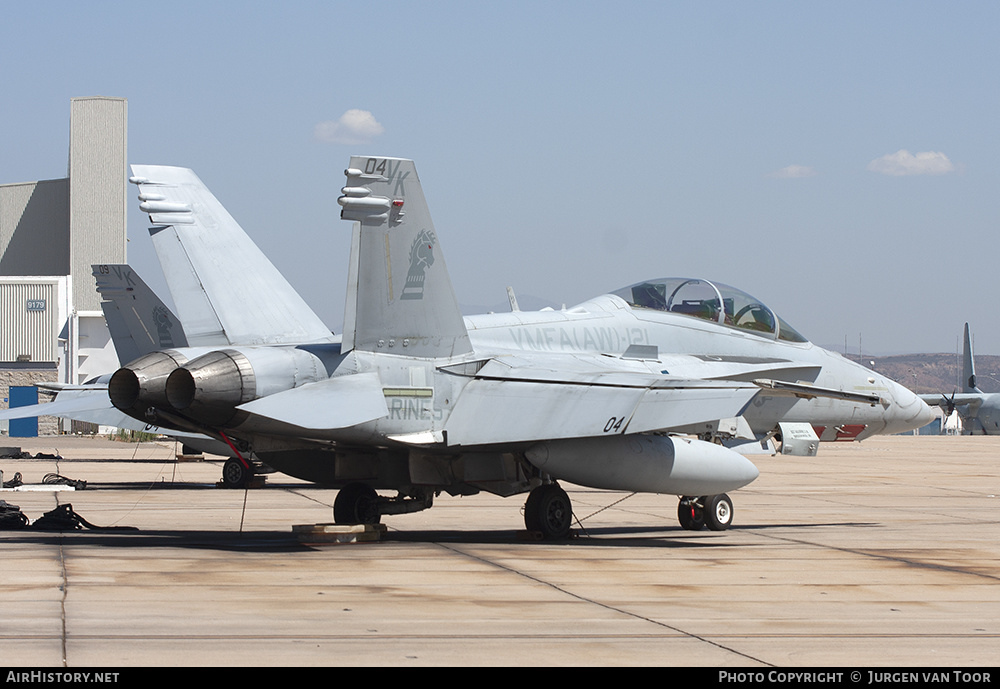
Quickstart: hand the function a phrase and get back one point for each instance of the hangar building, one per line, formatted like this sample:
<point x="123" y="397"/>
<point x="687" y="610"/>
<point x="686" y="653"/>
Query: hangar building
<point x="52" y="328"/>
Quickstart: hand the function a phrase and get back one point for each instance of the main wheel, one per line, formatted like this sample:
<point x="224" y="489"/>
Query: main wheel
<point x="235" y="475"/>
<point x="549" y="511"/>
<point x="356" y="503"/>
<point x="690" y="514"/>
<point x="718" y="511"/>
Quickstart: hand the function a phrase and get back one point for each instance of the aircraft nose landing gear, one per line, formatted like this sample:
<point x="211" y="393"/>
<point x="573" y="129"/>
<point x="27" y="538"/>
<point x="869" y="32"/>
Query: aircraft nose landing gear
<point x="713" y="511"/>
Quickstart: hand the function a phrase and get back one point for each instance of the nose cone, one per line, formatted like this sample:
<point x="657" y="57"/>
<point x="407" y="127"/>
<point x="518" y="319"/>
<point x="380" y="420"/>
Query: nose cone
<point x="906" y="411"/>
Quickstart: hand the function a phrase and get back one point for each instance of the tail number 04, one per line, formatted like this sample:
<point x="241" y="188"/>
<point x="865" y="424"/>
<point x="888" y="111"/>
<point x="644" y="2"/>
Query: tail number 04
<point x="614" y="424"/>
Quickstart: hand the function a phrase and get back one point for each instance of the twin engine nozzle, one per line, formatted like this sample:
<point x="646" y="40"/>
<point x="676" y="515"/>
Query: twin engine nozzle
<point x="208" y="388"/>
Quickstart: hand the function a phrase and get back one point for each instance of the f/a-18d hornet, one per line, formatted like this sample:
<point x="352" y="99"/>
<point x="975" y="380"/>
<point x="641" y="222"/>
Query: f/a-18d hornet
<point x="979" y="411"/>
<point x="638" y="390"/>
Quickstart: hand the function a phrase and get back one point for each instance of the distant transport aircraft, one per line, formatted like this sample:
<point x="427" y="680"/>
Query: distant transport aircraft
<point x="979" y="411"/>
<point x="642" y="389"/>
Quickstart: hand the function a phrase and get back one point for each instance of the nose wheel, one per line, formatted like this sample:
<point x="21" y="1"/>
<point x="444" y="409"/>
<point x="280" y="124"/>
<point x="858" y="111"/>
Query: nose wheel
<point x="713" y="511"/>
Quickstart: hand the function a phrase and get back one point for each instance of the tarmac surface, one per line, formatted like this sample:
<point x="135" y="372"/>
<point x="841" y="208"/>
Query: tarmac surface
<point x="881" y="553"/>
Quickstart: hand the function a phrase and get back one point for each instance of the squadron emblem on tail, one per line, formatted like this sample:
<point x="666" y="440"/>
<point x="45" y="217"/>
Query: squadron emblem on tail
<point x="421" y="258"/>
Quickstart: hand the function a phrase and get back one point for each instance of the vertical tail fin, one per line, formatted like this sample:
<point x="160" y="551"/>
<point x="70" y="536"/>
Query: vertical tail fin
<point x="222" y="284"/>
<point x="139" y="322"/>
<point x="399" y="296"/>
<point x="968" y="365"/>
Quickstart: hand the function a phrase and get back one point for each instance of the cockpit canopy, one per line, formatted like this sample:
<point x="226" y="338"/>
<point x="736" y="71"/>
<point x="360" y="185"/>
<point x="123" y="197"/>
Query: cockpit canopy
<point x="711" y="301"/>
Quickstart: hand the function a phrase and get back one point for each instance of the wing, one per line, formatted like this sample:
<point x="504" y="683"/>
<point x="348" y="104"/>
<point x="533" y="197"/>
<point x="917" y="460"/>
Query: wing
<point x="518" y="399"/>
<point x="970" y="400"/>
<point x="92" y="405"/>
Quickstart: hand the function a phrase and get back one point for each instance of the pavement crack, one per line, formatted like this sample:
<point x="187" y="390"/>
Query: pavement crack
<point x="62" y="601"/>
<point x="606" y="606"/>
<point x="887" y="557"/>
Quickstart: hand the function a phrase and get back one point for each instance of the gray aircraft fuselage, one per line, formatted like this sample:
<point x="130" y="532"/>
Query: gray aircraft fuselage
<point x="421" y="393"/>
<point x="608" y="324"/>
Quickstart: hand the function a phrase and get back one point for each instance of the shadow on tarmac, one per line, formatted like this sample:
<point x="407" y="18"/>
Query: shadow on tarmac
<point x="286" y="541"/>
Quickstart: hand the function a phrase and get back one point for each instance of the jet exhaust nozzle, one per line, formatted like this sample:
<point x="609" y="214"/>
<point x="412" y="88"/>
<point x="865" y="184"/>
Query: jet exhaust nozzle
<point x="645" y="463"/>
<point x="210" y="387"/>
<point x="141" y="384"/>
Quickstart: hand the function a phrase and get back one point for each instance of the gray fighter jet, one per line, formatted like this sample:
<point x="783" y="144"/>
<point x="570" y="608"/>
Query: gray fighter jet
<point x="139" y="323"/>
<point x="979" y="411"/>
<point x="418" y="400"/>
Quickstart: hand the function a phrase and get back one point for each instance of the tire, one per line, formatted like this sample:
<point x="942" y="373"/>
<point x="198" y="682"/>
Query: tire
<point x="549" y="511"/>
<point x="718" y="512"/>
<point x="690" y="514"/>
<point x="235" y="475"/>
<point x="356" y="503"/>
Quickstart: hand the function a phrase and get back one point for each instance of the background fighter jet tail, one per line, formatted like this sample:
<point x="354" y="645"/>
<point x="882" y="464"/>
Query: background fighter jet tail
<point x="204" y="252"/>
<point x="139" y="322"/>
<point x="399" y="296"/>
<point x="968" y="365"/>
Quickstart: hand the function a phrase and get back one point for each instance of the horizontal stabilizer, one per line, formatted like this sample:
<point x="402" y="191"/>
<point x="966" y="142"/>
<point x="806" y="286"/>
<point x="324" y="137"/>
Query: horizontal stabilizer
<point x="59" y="387"/>
<point x="66" y="405"/>
<point x="327" y="404"/>
<point x="91" y="404"/>
<point x="222" y="285"/>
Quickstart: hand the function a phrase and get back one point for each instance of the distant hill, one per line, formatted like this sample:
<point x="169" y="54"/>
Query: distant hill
<point x="926" y="373"/>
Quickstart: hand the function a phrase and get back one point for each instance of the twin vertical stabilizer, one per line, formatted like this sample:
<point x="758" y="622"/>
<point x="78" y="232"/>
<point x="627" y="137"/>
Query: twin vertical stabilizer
<point x="223" y="287"/>
<point x="138" y="321"/>
<point x="399" y="296"/>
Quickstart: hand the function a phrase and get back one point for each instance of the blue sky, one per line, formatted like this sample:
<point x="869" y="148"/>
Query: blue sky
<point x="837" y="160"/>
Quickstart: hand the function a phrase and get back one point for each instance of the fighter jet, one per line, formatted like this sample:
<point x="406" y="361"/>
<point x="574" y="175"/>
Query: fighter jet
<point x="242" y="304"/>
<point x="226" y="293"/>
<point x="416" y="399"/>
<point x="979" y="411"/>
<point x="139" y="323"/>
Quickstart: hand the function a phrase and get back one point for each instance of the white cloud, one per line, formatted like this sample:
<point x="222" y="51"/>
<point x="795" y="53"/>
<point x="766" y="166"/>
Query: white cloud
<point x="794" y="172"/>
<point x="903" y="162"/>
<point x="353" y="127"/>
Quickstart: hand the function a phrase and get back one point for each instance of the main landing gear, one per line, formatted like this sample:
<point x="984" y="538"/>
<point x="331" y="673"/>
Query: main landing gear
<point x="235" y="474"/>
<point x="356" y="503"/>
<point x="548" y="511"/>
<point x="713" y="511"/>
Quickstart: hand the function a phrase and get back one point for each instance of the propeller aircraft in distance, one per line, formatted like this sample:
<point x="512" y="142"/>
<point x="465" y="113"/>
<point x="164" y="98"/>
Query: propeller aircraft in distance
<point x="979" y="411"/>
